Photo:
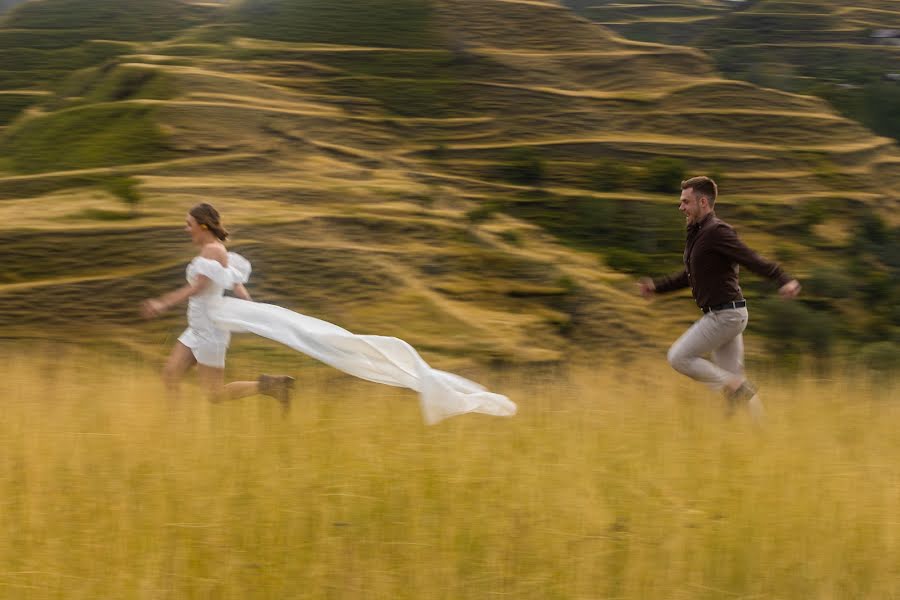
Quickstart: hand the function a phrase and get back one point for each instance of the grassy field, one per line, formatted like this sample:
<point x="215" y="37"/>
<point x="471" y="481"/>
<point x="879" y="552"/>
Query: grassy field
<point x="622" y="482"/>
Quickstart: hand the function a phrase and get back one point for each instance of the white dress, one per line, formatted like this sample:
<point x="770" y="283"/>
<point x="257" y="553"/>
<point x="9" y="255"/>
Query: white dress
<point x="388" y="360"/>
<point x="207" y="342"/>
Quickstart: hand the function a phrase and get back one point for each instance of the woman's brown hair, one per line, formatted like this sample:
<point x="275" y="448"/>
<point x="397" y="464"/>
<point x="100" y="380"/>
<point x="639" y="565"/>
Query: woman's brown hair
<point x="206" y="215"/>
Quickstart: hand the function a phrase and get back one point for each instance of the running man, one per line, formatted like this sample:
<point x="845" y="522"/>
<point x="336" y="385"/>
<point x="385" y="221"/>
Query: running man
<point x="712" y="256"/>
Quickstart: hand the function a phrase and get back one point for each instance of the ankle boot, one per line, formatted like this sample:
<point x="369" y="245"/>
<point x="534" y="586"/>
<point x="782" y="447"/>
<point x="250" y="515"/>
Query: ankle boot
<point x="739" y="397"/>
<point x="278" y="387"/>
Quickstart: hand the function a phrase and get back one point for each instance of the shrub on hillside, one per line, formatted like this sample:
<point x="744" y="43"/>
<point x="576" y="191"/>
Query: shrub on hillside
<point x="663" y="175"/>
<point x="125" y="188"/>
<point x="873" y="237"/>
<point x="124" y="83"/>
<point x="604" y="225"/>
<point x="875" y="104"/>
<point x="794" y="329"/>
<point x="871" y="233"/>
<point x="812" y="213"/>
<point x="13" y="104"/>
<point x="830" y="282"/>
<point x="785" y="253"/>
<point x="523" y="165"/>
<point x="629" y="261"/>
<point x="608" y="175"/>
<point x="881" y="357"/>
<point x="482" y="212"/>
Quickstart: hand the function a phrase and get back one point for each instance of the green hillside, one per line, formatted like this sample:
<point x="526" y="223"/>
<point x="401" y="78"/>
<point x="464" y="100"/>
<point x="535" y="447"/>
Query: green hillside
<point x="6" y="5"/>
<point x="848" y="55"/>
<point x="43" y="41"/>
<point x="485" y="182"/>
<point x="392" y="23"/>
<point x="655" y="20"/>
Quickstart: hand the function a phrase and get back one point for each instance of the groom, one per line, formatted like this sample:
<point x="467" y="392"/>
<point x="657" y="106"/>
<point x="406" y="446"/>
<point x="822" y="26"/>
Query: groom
<point x="712" y="255"/>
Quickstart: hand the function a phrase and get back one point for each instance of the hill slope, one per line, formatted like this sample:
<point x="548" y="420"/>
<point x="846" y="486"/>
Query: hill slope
<point x="848" y="55"/>
<point x="449" y="185"/>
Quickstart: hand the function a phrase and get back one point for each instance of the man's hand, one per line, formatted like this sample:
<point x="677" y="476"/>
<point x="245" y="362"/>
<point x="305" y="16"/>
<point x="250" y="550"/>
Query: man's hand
<point x="646" y="287"/>
<point x="790" y="290"/>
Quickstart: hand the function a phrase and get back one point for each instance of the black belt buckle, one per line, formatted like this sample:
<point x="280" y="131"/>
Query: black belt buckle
<point x="727" y="305"/>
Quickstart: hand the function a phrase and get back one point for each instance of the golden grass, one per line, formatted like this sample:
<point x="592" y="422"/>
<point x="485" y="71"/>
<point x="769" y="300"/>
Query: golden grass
<point x="622" y="482"/>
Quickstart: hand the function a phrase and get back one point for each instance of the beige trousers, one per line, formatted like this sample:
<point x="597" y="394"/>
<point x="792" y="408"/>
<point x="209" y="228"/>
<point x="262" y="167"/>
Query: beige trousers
<point x="719" y="335"/>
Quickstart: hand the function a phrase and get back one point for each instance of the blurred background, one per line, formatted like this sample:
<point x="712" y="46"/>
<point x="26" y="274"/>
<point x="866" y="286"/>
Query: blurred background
<point x="485" y="179"/>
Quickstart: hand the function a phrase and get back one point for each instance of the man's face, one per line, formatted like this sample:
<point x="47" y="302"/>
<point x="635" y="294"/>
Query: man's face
<point x="693" y="206"/>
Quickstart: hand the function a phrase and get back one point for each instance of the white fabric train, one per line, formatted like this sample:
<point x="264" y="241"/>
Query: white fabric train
<point x="381" y="359"/>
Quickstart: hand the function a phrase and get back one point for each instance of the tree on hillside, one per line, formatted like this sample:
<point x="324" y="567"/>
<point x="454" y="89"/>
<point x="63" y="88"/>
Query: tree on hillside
<point x="125" y="188"/>
<point x="523" y="165"/>
<point x="608" y="175"/>
<point x="664" y="175"/>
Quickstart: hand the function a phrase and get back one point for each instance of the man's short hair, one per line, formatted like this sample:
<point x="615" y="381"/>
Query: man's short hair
<point x="703" y="186"/>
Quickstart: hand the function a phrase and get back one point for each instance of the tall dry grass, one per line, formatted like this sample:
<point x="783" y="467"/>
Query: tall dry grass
<point x="620" y="482"/>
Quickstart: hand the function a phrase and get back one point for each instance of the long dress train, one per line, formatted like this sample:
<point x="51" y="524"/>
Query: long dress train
<point x="381" y="359"/>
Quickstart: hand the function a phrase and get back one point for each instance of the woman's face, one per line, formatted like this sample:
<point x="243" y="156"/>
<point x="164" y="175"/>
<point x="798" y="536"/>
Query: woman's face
<point x="194" y="229"/>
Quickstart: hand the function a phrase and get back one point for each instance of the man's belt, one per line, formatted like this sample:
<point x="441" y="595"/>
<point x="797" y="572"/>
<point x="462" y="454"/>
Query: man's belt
<point x="726" y="306"/>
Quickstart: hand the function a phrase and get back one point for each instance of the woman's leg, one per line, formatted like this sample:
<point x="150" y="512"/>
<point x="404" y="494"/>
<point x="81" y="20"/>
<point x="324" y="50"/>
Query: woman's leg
<point x="213" y="379"/>
<point x="276" y="386"/>
<point x="180" y="360"/>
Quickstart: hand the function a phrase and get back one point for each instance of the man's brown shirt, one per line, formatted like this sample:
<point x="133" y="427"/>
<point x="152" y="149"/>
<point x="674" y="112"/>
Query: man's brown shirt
<point x="712" y="257"/>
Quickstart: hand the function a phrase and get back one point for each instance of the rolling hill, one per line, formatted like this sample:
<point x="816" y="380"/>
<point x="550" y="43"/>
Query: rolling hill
<point x="846" y="54"/>
<point x="483" y="179"/>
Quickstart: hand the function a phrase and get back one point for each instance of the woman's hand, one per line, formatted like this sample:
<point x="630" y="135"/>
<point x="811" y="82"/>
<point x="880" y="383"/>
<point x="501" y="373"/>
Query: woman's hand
<point x="150" y="309"/>
<point x="156" y="306"/>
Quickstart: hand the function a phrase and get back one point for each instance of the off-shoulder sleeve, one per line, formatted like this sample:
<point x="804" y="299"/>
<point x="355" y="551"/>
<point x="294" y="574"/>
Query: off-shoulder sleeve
<point x="237" y="271"/>
<point x="240" y="267"/>
<point x="213" y="270"/>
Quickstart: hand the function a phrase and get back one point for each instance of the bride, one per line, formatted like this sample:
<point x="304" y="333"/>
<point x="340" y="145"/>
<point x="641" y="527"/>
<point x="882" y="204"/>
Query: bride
<point x="202" y="343"/>
<point x="212" y="317"/>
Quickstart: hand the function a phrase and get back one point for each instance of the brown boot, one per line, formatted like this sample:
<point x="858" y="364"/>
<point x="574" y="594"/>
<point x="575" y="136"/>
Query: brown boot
<point x="739" y="397"/>
<point x="278" y="387"/>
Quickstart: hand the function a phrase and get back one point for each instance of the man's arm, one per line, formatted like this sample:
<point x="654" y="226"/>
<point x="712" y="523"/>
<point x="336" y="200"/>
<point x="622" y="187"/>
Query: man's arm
<point x="671" y="283"/>
<point x="648" y="287"/>
<point x="733" y="248"/>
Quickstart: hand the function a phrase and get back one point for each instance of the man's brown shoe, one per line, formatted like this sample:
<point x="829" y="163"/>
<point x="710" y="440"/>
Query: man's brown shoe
<point x="278" y="387"/>
<point x="739" y="397"/>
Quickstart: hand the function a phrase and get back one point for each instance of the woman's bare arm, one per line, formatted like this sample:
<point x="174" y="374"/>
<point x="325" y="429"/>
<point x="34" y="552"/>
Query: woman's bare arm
<point x="241" y="292"/>
<point x="157" y="306"/>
